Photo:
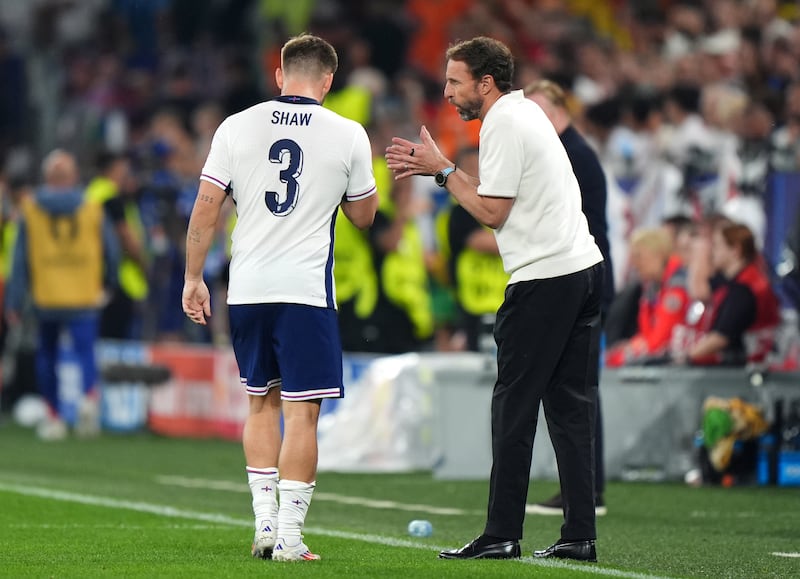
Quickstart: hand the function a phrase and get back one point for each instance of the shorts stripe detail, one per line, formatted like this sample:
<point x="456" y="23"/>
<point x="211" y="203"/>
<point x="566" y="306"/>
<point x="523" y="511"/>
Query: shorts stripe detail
<point x="312" y="394"/>
<point x="260" y="390"/>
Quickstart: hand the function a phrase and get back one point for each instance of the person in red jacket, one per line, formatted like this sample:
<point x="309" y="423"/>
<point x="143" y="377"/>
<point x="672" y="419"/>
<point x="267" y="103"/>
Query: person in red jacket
<point x="738" y="325"/>
<point x="663" y="303"/>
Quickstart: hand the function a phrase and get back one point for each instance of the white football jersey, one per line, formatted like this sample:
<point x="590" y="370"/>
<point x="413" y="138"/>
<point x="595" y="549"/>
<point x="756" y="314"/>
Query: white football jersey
<point x="287" y="163"/>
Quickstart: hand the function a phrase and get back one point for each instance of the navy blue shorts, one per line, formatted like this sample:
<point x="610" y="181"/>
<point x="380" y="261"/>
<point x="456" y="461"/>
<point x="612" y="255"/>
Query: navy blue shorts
<point x="294" y="347"/>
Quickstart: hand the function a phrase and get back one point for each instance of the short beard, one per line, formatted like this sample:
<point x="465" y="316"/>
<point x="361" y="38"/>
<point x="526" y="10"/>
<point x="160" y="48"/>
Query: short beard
<point x="471" y="109"/>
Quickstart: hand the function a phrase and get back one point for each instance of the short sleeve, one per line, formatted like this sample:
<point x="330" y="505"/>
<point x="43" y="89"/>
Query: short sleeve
<point x="217" y="169"/>
<point x="362" y="178"/>
<point x="500" y="161"/>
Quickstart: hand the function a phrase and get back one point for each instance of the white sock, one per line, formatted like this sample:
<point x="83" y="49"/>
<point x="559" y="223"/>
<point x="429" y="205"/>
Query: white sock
<point x="295" y="498"/>
<point x="264" y="488"/>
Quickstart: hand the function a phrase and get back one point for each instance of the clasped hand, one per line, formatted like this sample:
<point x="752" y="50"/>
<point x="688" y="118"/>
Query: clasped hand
<point x="405" y="158"/>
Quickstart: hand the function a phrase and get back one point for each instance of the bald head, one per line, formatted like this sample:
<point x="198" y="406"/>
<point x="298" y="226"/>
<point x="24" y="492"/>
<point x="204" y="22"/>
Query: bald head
<point x="60" y="170"/>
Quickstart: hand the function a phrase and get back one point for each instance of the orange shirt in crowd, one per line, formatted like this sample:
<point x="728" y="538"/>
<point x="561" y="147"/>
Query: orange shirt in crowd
<point x="431" y="36"/>
<point x="658" y="316"/>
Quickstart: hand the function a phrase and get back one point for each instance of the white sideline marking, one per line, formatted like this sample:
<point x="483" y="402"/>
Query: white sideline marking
<point x="789" y="555"/>
<point x="167" y="511"/>
<point x="121" y="527"/>
<point x="222" y="485"/>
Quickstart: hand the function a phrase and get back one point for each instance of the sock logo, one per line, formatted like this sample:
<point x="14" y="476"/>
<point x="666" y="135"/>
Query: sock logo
<point x="266" y="489"/>
<point x="267" y="528"/>
<point x="298" y="502"/>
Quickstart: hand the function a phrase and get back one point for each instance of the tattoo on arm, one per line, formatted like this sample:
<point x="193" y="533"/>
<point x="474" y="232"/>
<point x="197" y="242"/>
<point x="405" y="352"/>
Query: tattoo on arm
<point x="205" y="198"/>
<point x="195" y="235"/>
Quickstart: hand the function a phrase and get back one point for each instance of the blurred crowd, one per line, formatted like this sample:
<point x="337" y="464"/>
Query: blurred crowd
<point x="693" y="107"/>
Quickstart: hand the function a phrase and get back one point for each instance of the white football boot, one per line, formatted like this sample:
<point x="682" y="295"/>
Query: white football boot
<point x="299" y="552"/>
<point x="264" y="540"/>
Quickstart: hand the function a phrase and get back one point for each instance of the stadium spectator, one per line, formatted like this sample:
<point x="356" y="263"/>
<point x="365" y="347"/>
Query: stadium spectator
<point x="66" y="254"/>
<point x="738" y="325"/>
<point x="622" y="319"/>
<point x="97" y="73"/>
<point x="692" y="148"/>
<point x="166" y="202"/>
<point x="552" y="302"/>
<point x="402" y="318"/>
<point x="280" y="294"/>
<point x="356" y="285"/>
<point x="754" y="152"/>
<point x="113" y="189"/>
<point x="663" y="301"/>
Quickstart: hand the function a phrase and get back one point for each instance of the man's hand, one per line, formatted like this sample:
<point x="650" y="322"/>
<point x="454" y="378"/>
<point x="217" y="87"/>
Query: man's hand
<point x="406" y="158"/>
<point x="196" y="301"/>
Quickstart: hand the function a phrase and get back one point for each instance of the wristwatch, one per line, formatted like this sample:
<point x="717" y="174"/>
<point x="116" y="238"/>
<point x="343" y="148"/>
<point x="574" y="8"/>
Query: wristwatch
<point x="441" y="176"/>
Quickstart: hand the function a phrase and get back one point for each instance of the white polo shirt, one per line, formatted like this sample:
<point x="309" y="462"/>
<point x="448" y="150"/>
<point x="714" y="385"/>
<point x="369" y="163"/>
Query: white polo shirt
<point x="521" y="157"/>
<point x="288" y="163"/>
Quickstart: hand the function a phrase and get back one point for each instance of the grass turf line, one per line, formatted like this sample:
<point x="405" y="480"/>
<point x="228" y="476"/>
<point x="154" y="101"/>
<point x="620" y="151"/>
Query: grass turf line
<point x="652" y="529"/>
<point x="157" y="561"/>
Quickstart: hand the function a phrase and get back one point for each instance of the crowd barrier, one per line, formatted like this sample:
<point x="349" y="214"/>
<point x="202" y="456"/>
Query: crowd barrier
<point x="651" y="417"/>
<point x="427" y="411"/>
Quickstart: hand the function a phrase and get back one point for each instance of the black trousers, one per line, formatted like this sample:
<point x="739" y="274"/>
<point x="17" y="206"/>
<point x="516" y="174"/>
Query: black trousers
<point x="548" y="340"/>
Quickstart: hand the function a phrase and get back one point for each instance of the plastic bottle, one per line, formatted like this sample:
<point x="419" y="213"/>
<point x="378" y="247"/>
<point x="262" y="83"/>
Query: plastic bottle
<point x="420" y="528"/>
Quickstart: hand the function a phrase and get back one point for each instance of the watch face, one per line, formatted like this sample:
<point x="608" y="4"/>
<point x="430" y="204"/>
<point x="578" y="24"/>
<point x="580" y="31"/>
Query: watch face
<point x="441" y="176"/>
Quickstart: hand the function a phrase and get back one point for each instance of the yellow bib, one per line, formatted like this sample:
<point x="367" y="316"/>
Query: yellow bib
<point x="65" y="256"/>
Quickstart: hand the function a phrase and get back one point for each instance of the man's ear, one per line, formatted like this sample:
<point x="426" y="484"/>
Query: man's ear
<point x="486" y="83"/>
<point x="327" y="84"/>
<point x="279" y="78"/>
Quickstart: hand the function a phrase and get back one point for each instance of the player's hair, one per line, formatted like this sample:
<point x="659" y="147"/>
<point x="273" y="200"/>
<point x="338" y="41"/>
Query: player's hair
<point x="551" y="91"/>
<point x="739" y="236"/>
<point x="310" y="55"/>
<point x="485" y="56"/>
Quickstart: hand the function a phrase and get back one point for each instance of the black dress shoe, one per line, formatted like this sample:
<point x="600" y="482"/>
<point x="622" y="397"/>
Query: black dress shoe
<point x="475" y="550"/>
<point x="578" y="550"/>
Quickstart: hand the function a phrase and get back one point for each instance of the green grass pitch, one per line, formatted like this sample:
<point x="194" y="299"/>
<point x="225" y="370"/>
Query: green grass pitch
<point x="143" y="506"/>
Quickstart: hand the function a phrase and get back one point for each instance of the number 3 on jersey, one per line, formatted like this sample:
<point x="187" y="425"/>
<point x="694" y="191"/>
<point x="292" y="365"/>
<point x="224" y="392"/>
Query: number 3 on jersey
<point x="278" y="153"/>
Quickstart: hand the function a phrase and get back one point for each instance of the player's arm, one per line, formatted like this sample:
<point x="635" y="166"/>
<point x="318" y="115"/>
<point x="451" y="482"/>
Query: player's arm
<point x="202" y="225"/>
<point x="362" y="212"/>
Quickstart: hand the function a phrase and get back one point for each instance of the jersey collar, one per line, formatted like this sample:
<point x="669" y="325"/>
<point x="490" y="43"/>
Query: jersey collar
<point x="296" y="100"/>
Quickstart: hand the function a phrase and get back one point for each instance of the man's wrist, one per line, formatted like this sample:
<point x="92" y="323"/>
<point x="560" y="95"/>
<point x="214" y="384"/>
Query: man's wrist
<point x="441" y="176"/>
